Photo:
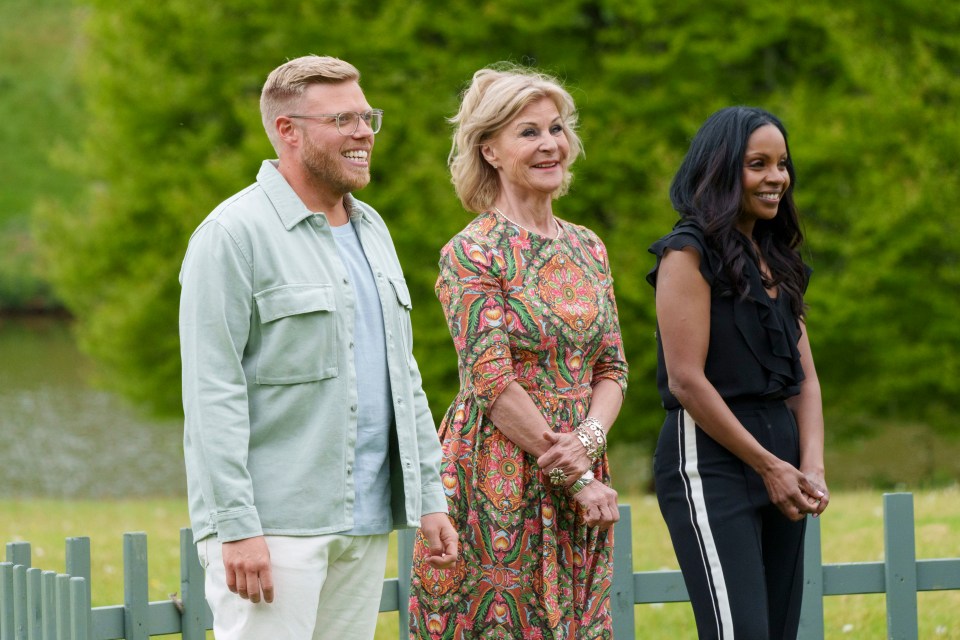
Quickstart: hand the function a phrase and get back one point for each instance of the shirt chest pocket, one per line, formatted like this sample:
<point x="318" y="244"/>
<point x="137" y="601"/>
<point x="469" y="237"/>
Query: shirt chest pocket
<point x="403" y="309"/>
<point x="298" y="334"/>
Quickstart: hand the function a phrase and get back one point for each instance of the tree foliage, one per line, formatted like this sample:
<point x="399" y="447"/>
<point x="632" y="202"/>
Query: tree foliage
<point x="868" y="92"/>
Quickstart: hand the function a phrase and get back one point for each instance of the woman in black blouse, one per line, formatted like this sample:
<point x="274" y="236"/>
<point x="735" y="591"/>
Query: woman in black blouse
<point x="739" y="462"/>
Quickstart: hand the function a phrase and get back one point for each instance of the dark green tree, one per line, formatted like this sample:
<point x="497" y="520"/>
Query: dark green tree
<point x="867" y="92"/>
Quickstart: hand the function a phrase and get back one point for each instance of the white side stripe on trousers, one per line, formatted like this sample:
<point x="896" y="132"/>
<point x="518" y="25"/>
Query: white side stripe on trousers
<point x="701" y="525"/>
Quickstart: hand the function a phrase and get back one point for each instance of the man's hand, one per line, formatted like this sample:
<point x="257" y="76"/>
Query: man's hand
<point x="247" y="563"/>
<point x="441" y="539"/>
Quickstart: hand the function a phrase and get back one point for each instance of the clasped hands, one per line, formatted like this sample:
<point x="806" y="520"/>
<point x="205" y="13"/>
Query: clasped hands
<point x="597" y="501"/>
<point x="795" y="492"/>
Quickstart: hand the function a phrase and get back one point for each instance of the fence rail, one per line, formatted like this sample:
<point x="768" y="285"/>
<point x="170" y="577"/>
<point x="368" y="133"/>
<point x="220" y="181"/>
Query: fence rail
<point x="46" y="605"/>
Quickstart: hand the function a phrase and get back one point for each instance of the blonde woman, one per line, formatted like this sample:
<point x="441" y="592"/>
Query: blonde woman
<point x="529" y="301"/>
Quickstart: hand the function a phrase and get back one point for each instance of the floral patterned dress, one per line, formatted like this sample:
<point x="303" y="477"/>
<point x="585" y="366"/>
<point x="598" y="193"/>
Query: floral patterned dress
<point x="521" y="308"/>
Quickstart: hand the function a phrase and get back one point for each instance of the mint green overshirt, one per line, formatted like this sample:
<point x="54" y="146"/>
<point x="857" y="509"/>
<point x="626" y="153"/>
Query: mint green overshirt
<point x="269" y="383"/>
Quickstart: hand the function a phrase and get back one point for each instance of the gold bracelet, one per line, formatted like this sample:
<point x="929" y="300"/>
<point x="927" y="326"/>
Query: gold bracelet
<point x="581" y="483"/>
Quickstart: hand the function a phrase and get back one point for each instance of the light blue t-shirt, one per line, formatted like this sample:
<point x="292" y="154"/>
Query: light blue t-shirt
<point x="371" y="512"/>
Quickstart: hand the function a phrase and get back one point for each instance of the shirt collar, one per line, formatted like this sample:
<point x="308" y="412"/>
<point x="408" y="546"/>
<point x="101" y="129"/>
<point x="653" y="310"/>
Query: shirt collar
<point x="289" y="206"/>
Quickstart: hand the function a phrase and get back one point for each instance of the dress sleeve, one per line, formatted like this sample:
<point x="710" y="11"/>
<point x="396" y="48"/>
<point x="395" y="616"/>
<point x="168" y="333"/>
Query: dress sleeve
<point x="471" y="293"/>
<point x="612" y="362"/>
<point x="684" y="235"/>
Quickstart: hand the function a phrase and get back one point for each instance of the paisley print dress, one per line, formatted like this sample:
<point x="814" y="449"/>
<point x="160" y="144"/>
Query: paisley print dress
<point x="521" y="308"/>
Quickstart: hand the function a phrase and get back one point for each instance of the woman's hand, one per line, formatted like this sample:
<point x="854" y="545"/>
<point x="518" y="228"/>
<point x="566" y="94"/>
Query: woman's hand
<point x="566" y="453"/>
<point x="598" y="503"/>
<point x="821" y="492"/>
<point x="793" y="492"/>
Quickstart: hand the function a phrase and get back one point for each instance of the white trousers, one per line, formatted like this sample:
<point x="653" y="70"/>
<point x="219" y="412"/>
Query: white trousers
<point x="324" y="587"/>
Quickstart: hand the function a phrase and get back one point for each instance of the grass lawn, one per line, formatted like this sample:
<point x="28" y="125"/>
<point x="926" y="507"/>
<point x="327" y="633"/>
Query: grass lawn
<point x="852" y="531"/>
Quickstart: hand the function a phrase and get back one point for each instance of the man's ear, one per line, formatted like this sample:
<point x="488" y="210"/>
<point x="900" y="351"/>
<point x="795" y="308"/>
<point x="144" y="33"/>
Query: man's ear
<point x="287" y="130"/>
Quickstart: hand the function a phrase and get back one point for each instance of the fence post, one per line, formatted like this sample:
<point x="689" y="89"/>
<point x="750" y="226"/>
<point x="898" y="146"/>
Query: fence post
<point x="811" y="611"/>
<point x="622" y="596"/>
<point x="135" y="595"/>
<point x="900" y="566"/>
<point x="405" y="541"/>
<point x="193" y="617"/>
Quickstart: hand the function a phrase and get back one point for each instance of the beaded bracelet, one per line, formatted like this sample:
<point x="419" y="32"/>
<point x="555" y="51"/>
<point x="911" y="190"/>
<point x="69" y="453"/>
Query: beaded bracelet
<point x="592" y="437"/>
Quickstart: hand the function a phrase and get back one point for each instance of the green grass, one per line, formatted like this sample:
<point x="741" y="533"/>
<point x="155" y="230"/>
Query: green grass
<point x="852" y="531"/>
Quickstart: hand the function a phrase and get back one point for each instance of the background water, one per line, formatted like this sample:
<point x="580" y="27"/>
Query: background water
<point x="62" y="437"/>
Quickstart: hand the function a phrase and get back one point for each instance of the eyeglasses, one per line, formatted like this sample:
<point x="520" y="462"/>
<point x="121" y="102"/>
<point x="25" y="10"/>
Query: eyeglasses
<point x="349" y="121"/>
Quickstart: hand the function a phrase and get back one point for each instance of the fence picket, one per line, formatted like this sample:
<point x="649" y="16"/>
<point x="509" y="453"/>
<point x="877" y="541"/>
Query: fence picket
<point x="20" y="602"/>
<point x="78" y="566"/>
<point x="194" y="618"/>
<point x="63" y="606"/>
<point x="34" y="604"/>
<point x="18" y="553"/>
<point x="48" y="605"/>
<point x="136" y="605"/>
<point x="6" y="600"/>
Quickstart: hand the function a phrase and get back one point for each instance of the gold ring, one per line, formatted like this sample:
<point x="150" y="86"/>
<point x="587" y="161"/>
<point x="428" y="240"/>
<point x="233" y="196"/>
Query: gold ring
<point x="558" y="477"/>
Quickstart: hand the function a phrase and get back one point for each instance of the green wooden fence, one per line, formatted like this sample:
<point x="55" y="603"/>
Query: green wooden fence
<point x="46" y="605"/>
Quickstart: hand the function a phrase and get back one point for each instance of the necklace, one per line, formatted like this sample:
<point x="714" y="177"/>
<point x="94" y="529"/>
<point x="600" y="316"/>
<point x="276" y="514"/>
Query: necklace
<point x="556" y="225"/>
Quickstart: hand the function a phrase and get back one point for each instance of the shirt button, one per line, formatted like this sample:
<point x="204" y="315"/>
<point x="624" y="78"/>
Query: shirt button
<point x="353" y="408"/>
<point x="399" y="400"/>
<point x="351" y="345"/>
<point x="346" y="281"/>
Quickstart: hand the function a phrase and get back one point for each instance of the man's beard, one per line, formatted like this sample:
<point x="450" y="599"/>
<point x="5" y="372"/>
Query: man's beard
<point x="327" y="172"/>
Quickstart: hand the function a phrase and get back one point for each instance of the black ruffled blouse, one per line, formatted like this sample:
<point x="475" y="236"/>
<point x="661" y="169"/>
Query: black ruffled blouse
<point x="753" y="351"/>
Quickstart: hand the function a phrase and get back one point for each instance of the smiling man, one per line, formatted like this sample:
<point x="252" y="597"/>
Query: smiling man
<point x="291" y="292"/>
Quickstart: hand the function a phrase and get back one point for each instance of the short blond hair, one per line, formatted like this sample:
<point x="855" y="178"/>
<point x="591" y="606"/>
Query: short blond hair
<point x="287" y="83"/>
<point x="495" y="96"/>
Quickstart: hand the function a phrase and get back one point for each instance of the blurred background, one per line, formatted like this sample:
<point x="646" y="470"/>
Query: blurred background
<point x="123" y="123"/>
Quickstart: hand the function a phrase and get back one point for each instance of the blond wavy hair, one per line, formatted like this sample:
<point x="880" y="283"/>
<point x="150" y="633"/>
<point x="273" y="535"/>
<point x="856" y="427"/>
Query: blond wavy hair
<point x="495" y="96"/>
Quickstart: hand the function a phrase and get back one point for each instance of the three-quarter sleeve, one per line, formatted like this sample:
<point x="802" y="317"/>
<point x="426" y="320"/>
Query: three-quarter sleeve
<point x="611" y="363"/>
<point x="471" y="293"/>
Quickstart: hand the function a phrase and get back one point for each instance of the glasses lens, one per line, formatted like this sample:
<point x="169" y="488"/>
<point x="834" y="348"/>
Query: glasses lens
<point x="375" y="120"/>
<point x="347" y="122"/>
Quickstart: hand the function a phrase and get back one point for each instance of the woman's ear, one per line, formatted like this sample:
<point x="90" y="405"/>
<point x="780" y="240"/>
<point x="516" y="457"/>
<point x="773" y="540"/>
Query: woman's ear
<point x="489" y="155"/>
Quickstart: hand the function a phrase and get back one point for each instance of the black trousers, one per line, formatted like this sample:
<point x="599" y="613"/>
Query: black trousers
<point x="741" y="559"/>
